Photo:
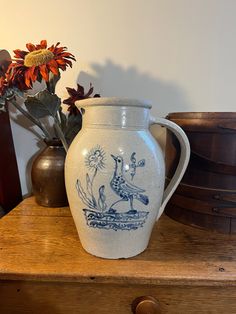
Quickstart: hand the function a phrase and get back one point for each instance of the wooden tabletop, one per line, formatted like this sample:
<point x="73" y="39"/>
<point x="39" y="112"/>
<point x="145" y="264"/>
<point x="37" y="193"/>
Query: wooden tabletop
<point x="39" y="243"/>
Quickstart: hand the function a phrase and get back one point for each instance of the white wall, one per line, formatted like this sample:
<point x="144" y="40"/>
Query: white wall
<point x="180" y="54"/>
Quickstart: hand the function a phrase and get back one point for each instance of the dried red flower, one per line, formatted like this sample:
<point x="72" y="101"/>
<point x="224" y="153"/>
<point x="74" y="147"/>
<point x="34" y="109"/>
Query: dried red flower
<point x="37" y="63"/>
<point x="3" y="85"/>
<point x="75" y="95"/>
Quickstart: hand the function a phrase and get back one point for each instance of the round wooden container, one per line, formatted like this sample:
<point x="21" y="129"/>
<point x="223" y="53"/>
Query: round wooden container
<point x="206" y="197"/>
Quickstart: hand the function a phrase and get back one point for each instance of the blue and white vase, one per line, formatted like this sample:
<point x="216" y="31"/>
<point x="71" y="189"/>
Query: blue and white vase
<point x="115" y="175"/>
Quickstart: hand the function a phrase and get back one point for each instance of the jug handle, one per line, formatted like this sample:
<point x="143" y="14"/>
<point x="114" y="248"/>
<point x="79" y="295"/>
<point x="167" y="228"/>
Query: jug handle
<point x="183" y="162"/>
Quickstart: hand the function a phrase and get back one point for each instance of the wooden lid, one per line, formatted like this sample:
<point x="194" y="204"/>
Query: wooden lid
<point x="216" y="122"/>
<point x="201" y="115"/>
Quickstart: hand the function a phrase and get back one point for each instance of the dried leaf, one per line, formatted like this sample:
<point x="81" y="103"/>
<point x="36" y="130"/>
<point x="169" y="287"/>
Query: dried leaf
<point x="43" y="104"/>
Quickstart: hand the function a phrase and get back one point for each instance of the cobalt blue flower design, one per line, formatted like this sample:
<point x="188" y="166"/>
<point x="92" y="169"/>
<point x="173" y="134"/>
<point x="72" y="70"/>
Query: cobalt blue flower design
<point x="134" y="165"/>
<point x="95" y="159"/>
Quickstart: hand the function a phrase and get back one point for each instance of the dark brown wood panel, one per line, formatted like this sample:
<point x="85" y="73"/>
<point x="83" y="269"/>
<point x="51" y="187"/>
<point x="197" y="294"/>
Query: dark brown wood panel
<point x="10" y="190"/>
<point x="19" y="297"/>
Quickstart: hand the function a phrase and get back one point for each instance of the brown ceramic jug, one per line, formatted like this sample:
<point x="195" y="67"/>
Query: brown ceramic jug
<point x="48" y="175"/>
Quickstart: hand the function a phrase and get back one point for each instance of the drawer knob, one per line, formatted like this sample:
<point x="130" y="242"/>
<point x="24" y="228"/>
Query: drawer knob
<point x="146" y="305"/>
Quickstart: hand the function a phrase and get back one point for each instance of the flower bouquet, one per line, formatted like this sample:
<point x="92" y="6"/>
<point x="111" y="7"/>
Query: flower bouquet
<point x="41" y="65"/>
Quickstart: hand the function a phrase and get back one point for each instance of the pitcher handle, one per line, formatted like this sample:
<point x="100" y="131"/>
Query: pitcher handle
<point x="183" y="162"/>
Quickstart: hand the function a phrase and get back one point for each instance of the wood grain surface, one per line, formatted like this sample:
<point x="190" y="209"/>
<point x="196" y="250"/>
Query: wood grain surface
<point x="23" y="297"/>
<point x="44" y="269"/>
<point x="41" y="244"/>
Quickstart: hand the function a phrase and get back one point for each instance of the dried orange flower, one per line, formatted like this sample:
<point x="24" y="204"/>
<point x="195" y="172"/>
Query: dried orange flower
<point x="37" y="63"/>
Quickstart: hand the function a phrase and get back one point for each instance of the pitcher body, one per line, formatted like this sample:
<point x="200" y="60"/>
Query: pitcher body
<point x="115" y="176"/>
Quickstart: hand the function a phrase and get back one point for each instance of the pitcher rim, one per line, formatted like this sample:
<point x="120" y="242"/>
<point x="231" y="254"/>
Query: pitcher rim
<point x="113" y="101"/>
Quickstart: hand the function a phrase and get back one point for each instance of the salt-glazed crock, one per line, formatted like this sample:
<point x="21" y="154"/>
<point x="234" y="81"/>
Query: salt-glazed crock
<point x="115" y="175"/>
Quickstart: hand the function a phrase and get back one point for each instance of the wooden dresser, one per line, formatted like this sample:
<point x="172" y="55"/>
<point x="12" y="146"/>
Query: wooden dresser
<point x="43" y="269"/>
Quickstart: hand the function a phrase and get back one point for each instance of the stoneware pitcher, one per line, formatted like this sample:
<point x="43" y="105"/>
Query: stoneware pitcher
<point x="115" y="176"/>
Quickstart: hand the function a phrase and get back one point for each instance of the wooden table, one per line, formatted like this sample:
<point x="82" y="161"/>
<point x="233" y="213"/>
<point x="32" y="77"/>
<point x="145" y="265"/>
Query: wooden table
<point x="43" y="268"/>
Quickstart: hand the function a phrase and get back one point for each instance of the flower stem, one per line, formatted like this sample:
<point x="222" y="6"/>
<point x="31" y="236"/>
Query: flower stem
<point x="61" y="134"/>
<point x="30" y="117"/>
<point x="94" y="175"/>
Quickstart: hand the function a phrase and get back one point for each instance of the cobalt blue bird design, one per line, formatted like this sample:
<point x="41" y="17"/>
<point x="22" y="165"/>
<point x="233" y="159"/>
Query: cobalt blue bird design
<point x="124" y="189"/>
<point x="100" y="214"/>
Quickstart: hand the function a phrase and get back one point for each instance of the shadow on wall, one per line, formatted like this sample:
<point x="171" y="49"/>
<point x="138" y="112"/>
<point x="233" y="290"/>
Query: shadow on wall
<point x="25" y="123"/>
<point x="111" y="79"/>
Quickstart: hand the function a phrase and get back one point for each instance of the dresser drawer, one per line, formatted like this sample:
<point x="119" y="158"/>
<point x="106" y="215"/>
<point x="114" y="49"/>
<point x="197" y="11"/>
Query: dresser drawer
<point x="58" y="298"/>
